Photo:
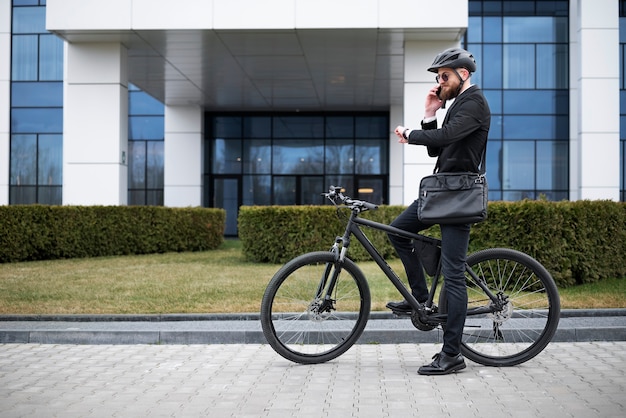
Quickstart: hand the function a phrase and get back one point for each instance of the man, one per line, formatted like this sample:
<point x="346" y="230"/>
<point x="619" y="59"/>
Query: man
<point x="459" y="145"/>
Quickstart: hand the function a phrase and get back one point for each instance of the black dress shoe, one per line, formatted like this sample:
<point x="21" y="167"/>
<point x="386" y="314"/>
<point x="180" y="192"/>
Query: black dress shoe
<point x="443" y="364"/>
<point x="402" y="307"/>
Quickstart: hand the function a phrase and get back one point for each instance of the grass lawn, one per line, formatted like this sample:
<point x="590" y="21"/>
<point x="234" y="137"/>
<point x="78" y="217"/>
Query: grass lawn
<point x="219" y="281"/>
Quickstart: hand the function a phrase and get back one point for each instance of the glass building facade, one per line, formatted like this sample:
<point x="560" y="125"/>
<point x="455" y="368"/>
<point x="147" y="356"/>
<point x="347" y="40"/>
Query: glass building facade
<point x="522" y="48"/>
<point x="522" y="51"/>
<point x="288" y="159"/>
<point x="145" y="148"/>
<point x="36" y="152"/>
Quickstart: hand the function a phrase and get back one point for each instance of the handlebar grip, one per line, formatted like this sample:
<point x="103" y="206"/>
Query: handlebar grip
<point x="370" y="206"/>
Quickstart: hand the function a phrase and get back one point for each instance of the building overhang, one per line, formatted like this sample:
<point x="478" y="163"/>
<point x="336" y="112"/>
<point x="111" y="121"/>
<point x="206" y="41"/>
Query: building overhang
<point x="285" y="55"/>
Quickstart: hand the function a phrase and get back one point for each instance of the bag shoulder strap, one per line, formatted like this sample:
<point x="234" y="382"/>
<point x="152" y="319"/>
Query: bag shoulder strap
<point x="482" y="168"/>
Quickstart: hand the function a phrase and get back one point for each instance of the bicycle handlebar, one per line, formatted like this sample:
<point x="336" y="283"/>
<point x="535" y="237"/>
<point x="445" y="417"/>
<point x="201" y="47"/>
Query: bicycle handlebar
<point x="336" y="196"/>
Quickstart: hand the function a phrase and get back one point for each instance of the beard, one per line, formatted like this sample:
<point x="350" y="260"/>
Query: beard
<point x="449" y="92"/>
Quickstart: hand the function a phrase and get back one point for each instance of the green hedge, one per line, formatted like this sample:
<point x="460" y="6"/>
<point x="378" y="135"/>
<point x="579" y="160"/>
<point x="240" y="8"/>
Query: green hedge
<point x="36" y="232"/>
<point x="577" y="242"/>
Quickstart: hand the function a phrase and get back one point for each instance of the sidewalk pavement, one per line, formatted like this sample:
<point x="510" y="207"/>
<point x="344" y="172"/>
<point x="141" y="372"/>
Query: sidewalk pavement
<point x="580" y="380"/>
<point x="382" y="328"/>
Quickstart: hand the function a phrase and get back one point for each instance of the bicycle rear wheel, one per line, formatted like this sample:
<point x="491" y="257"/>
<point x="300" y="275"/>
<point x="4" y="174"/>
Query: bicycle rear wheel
<point x="303" y="326"/>
<point x="531" y="308"/>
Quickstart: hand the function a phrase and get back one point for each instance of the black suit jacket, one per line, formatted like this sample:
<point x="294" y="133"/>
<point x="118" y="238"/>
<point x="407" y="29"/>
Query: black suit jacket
<point x="462" y="138"/>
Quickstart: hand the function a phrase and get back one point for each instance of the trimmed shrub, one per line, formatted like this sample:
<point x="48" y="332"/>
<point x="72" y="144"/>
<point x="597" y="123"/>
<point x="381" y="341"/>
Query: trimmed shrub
<point x="577" y="242"/>
<point x="37" y="232"/>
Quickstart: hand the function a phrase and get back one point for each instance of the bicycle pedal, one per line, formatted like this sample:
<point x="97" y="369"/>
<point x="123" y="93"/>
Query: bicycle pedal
<point x="401" y="313"/>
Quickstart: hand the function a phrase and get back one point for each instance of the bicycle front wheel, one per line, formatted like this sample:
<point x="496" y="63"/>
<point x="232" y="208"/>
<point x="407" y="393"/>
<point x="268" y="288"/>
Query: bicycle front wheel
<point x="530" y="314"/>
<point x="306" y="322"/>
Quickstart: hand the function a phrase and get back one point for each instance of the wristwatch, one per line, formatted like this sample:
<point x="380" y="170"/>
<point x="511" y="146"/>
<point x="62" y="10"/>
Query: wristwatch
<point x="404" y="133"/>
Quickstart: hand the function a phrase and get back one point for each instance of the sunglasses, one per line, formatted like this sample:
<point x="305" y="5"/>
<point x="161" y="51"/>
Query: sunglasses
<point x="445" y="77"/>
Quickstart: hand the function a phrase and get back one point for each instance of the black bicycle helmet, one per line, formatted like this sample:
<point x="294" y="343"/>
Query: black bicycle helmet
<point x="454" y="58"/>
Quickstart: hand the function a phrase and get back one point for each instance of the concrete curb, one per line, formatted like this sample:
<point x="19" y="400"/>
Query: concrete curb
<point x="245" y="328"/>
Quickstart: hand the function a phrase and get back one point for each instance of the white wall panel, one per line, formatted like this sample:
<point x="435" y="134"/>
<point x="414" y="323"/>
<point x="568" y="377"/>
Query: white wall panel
<point x="85" y="14"/>
<point x="337" y="14"/>
<point x="94" y="184"/>
<point x="253" y="14"/>
<point x="101" y="63"/>
<point x="422" y="13"/>
<point x="95" y="125"/>
<point x="179" y="14"/>
<point x="92" y="129"/>
<point x="183" y="156"/>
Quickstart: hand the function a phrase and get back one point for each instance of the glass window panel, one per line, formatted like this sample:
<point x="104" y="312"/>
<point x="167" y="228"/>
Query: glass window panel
<point x="154" y="165"/>
<point x="494" y="172"/>
<point x="46" y="120"/>
<point x="370" y="189"/>
<point x="311" y="189"/>
<point x="513" y="195"/>
<point x="26" y="2"/>
<point x="304" y="156"/>
<point x="23" y="195"/>
<point x="518" y="165"/>
<point x="257" y="127"/>
<point x="622" y="30"/>
<point x="50" y="160"/>
<point x="492" y="7"/>
<point x="552" y="165"/>
<point x="492" y="29"/>
<point x="23" y="160"/>
<point x="552" y="67"/>
<point x="146" y="127"/>
<point x="535" y="29"/>
<point x="50" y="195"/>
<point x="284" y="190"/>
<point x="36" y="94"/>
<point x="495" y="131"/>
<point x="226" y="156"/>
<point x="339" y="127"/>
<point x="141" y="103"/>
<point x="491" y="67"/>
<point x="137" y="164"/>
<point x="476" y="50"/>
<point x="372" y="127"/>
<point x="371" y="156"/>
<point x="530" y="127"/>
<point x="154" y="197"/>
<point x="227" y="127"/>
<point x="24" y="61"/>
<point x="529" y="101"/>
<point x="257" y="156"/>
<point x="29" y="20"/>
<point x="50" y="58"/>
<point x="562" y="128"/>
<point x="474" y="29"/>
<point x="519" y="66"/>
<point x="136" y="197"/>
<point x="298" y="127"/>
<point x="257" y="190"/>
<point x="494" y="98"/>
<point x="339" y="156"/>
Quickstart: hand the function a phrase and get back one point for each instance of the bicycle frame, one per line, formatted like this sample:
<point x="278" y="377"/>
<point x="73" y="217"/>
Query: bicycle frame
<point x="353" y="227"/>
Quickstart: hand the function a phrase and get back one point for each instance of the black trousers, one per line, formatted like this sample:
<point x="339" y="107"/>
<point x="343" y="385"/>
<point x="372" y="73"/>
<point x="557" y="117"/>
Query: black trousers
<point x="454" y="244"/>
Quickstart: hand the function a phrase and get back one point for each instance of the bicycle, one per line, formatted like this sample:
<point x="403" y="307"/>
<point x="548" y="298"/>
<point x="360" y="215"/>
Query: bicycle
<point x="316" y="306"/>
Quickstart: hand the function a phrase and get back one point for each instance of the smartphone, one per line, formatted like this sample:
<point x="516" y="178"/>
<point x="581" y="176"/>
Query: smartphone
<point x="443" y="105"/>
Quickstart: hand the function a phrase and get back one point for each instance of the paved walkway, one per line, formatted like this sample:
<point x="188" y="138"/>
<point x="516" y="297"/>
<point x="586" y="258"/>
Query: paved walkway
<point x="581" y="379"/>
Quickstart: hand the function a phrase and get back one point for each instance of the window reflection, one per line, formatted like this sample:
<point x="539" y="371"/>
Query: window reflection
<point x="524" y="71"/>
<point x="303" y="155"/>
